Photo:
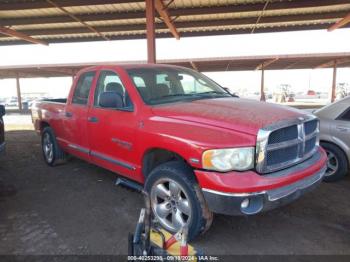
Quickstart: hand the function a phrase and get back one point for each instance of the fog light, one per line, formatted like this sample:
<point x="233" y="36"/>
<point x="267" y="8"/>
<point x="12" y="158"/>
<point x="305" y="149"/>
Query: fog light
<point x="245" y="203"/>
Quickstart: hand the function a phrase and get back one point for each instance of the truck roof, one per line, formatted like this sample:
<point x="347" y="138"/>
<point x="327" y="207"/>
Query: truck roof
<point x="131" y="66"/>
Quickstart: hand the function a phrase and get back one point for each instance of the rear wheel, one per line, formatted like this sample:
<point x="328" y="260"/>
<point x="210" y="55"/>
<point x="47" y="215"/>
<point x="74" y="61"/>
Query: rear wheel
<point x="337" y="163"/>
<point x="53" y="154"/>
<point x="176" y="199"/>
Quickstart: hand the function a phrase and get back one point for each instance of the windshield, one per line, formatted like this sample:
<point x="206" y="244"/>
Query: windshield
<point x="167" y="85"/>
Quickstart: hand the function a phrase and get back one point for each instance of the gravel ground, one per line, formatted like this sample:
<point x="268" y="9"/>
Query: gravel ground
<point x="76" y="209"/>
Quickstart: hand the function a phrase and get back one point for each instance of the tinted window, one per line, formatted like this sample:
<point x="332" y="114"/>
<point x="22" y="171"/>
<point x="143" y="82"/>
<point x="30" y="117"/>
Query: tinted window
<point x="346" y="115"/>
<point x="82" y="90"/>
<point x="109" y="81"/>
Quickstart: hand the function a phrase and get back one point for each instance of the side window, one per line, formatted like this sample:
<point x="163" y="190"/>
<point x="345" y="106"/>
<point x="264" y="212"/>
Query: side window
<point x="109" y="81"/>
<point x="346" y="115"/>
<point x="82" y="90"/>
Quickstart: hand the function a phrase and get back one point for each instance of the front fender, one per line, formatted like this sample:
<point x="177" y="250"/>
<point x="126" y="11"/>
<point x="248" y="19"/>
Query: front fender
<point x="189" y="140"/>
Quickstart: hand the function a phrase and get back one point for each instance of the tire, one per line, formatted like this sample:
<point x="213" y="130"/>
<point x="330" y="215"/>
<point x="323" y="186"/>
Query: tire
<point x="337" y="165"/>
<point x="182" y="199"/>
<point x="53" y="154"/>
<point x="130" y="244"/>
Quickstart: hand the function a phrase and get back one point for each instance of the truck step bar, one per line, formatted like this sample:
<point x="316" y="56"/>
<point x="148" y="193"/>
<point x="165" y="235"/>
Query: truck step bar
<point x="128" y="184"/>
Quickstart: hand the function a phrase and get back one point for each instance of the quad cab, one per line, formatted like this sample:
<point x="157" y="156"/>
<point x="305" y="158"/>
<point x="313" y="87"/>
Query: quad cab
<point x="197" y="149"/>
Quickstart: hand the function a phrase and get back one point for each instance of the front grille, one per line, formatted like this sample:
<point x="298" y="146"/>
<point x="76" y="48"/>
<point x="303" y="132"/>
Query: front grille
<point x="275" y="157"/>
<point x="286" y="143"/>
<point x="310" y="126"/>
<point x="310" y="144"/>
<point x="283" y="134"/>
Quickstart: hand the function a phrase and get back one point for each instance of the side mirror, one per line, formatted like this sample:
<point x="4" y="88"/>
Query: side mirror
<point x="2" y="110"/>
<point x="110" y="100"/>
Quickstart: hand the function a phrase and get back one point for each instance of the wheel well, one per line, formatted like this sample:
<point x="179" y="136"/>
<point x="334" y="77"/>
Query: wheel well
<point x="43" y="125"/>
<point x="157" y="156"/>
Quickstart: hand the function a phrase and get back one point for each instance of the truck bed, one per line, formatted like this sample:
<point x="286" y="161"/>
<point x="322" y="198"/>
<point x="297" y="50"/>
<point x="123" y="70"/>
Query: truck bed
<point x="47" y="110"/>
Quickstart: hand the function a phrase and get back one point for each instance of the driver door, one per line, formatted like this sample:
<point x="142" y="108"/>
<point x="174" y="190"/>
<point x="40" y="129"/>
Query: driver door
<point x="112" y="130"/>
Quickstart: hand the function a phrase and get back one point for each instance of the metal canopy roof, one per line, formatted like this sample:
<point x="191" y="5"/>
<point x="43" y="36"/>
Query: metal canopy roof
<point x="53" y="21"/>
<point x="299" y="61"/>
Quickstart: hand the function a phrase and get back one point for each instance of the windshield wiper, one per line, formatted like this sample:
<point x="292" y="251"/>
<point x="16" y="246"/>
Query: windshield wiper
<point x="167" y="97"/>
<point x="213" y="93"/>
<point x="190" y="96"/>
<point x="174" y="95"/>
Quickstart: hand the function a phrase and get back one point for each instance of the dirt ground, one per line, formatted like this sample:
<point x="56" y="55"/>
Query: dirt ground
<point x="76" y="209"/>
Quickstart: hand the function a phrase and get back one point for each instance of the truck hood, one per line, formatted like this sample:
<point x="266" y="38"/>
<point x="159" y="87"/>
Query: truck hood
<point x="238" y="114"/>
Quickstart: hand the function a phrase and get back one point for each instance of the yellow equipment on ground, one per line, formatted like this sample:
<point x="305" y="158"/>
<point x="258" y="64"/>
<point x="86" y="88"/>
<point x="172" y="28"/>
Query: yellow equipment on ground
<point x="150" y="241"/>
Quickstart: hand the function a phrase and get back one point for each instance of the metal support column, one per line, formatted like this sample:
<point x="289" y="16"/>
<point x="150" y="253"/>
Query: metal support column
<point x="150" y="26"/>
<point x="334" y="82"/>
<point x="19" y="96"/>
<point x="262" y="87"/>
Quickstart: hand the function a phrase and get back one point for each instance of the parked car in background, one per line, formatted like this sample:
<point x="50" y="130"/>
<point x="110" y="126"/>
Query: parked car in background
<point x="311" y="93"/>
<point x="335" y="137"/>
<point x="2" y="129"/>
<point x="343" y="90"/>
<point x="197" y="149"/>
<point x="11" y="102"/>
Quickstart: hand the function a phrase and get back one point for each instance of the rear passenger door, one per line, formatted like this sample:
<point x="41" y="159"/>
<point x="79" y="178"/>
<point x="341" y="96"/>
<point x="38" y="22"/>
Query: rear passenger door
<point x="112" y="130"/>
<point x="75" y="117"/>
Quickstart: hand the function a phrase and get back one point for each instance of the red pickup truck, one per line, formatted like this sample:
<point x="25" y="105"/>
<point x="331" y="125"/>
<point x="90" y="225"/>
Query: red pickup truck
<point x="197" y="149"/>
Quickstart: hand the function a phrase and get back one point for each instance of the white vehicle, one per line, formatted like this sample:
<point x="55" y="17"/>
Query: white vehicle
<point x="11" y="102"/>
<point x="335" y="137"/>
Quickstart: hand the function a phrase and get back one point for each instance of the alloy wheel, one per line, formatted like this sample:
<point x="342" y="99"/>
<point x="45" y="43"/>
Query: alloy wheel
<point x="332" y="164"/>
<point x="170" y="204"/>
<point x="48" y="147"/>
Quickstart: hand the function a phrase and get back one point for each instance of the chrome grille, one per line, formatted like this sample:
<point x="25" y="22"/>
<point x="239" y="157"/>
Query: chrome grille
<point x="310" y="126"/>
<point x="275" y="157"/>
<point x="283" y="134"/>
<point x="286" y="143"/>
<point x="310" y="144"/>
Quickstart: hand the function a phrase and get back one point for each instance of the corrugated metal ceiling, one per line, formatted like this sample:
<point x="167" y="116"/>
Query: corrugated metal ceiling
<point x="126" y="19"/>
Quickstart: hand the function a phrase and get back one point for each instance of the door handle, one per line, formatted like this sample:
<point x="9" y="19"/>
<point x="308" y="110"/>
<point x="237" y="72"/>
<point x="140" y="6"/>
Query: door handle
<point x="342" y="128"/>
<point x="93" y="119"/>
<point x="68" y="114"/>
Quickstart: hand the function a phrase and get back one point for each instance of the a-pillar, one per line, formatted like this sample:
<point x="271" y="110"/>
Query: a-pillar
<point x="19" y="96"/>
<point x="150" y="26"/>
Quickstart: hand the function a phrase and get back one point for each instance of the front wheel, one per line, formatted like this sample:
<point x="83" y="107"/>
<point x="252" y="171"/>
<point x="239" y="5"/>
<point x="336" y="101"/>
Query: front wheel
<point x="176" y="199"/>
<point x="53" y="154"/>
<point x="337" y="163"/>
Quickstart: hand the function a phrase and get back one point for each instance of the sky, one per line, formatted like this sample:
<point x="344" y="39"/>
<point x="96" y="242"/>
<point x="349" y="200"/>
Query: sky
<point x="301" y="42"/>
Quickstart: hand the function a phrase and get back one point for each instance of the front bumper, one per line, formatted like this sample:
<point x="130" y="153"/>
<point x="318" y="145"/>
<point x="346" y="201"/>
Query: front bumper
<point x="260" y="192"/>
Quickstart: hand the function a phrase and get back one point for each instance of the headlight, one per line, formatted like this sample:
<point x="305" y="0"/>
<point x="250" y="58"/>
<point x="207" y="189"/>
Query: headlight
<point x="223" y="160"/>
